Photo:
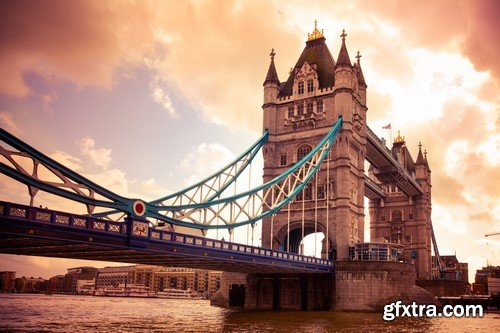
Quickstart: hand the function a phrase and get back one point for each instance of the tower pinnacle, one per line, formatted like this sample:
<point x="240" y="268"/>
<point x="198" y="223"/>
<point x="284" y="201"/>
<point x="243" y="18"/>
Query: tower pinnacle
<point x="316" y="34"/>
<point x="343" y="59"/>
<point x="272" y="75"/>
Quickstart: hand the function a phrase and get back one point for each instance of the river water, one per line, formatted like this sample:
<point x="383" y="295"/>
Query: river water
<point x="64" y="313"/>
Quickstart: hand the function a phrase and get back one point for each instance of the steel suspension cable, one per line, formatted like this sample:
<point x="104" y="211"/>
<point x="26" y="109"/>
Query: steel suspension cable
<point x="327" y="205"/>
<point x="315" y="214"/>
<point x="303" y="217"/>
<point x="288" y="223"/>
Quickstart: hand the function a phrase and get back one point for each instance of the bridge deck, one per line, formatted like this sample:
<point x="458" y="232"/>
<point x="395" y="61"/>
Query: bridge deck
<point x="27" y="230"/>
<point x="380" y="157"/>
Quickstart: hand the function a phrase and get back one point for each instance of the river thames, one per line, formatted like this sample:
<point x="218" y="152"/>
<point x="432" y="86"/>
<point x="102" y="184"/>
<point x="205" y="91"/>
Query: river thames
<point x="65" y="313"/>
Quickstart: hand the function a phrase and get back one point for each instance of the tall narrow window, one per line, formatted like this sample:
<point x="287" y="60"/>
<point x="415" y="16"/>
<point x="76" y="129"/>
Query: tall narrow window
<point x="301" y="87"/>
<point x="300" y="110"/>
<point x="310" y="86"/>
<point x="283" y="159"/>
<point x="319" y="106"/>
<point x="309" y="107"/>
<point x="290" y="112"/>
<point x="303" y="151"/>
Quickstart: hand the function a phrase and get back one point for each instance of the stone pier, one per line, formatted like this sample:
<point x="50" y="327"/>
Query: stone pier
<point x="354" y="286"/>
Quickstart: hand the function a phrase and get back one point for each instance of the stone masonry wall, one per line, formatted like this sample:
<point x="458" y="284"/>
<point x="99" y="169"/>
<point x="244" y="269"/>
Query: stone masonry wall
<point x="363" y="286"/>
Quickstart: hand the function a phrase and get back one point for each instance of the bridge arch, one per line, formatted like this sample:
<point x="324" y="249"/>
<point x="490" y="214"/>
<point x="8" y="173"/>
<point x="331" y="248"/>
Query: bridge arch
<point x="295" y="236"/>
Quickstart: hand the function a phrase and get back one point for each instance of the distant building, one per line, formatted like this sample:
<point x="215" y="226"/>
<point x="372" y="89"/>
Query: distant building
<point x="85" y="287"/>
<point x="7" y="280"/>
<point x="113" y="276"/>
<point x="453" y="269"/>
<point x="487" y="281"/>
<point x="78" y="273"/>
<point x="144" y="274"/>
<point x="56" y="284"/>
<point x="30" y="285"/>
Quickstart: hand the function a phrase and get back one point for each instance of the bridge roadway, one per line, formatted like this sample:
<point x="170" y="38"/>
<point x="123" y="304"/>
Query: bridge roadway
<point x="26" y="230"/>
<point x="387" y="167"/>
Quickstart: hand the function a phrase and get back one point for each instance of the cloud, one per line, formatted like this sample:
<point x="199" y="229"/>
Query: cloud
<point x="203" y="160"/>
<point x="468" y="26"/>
<point x="7" y="122"/>
<point x="99" y="156"/>
<point x="78" y="41"/>
<point x="47" y="100"/>
<point x="161" y="97"/>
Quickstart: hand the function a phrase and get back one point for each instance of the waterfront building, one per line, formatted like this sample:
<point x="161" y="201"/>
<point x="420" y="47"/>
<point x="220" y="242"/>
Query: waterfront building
<point x="78" y="273"/>
<point x="30" y="285"/>
<point x="453" y="269"/>
<point x="109" y="276"/>
<point x="85" y="287"/>
<point x="56" y="284"/>
<point x="145" y="275"/>
<point x="487" y="281"/>
<point x="7" y="280"/>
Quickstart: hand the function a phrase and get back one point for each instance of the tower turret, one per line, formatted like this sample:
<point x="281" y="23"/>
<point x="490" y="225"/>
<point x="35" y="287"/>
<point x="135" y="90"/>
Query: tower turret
<point x="271" y="91"/>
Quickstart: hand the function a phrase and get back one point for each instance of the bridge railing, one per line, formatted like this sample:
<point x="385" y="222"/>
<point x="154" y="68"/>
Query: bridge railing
<point x="46" y="216"/>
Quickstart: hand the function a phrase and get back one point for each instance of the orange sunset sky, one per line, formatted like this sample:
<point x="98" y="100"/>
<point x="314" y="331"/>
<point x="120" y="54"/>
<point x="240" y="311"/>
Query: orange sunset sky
<point x="145" y="97"/>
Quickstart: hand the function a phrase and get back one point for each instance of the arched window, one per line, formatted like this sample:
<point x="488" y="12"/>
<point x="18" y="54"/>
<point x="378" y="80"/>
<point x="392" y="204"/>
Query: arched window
<point x="303" y="151"/>
<point x="301" y="87"/>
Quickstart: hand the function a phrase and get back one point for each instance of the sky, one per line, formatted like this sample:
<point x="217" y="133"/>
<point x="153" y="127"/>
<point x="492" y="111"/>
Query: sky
<point x="145" y="97"/>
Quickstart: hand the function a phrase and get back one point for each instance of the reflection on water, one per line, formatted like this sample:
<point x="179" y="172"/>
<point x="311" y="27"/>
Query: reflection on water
<point x="58" y="313"/>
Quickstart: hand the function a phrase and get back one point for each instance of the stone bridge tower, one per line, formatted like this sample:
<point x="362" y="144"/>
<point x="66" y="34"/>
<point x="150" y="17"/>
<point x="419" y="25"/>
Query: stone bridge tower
<point x="298" y="113"/>
<point x="402" y="218"/>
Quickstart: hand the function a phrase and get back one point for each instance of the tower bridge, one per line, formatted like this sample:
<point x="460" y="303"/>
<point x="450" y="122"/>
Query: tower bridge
<point x="315" y="143"/>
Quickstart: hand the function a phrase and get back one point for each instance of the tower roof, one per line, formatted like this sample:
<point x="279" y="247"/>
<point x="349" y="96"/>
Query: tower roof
<point x="343" y="58"/>
<point x="315" y="52"/>
<point x="272" y="75"/>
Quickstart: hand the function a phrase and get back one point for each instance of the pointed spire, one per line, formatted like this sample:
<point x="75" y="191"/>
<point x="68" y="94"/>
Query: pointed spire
<point x="420" y="157"/>
<point x="426" y="162"/>
<point x="272" y="75"/>
<point x="343" y="58"/>
<point x="361" y="77"/>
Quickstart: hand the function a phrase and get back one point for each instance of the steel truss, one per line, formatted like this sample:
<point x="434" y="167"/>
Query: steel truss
<point x="197" y="206"/>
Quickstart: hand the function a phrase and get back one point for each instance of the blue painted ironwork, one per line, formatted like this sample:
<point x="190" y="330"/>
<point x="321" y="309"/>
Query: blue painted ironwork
<point x="77" y="184"/>
<point x="143" y="235"/>
<point x="270" y="197"/>
<point x="212" y="186"/>
<point x="234" y="211"/>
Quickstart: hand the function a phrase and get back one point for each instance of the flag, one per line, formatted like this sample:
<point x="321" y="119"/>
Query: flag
<point x="387" y="126"/>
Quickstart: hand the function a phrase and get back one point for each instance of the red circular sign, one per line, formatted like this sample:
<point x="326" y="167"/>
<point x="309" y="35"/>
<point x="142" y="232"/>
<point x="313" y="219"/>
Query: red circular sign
<point x="139" y="208"/>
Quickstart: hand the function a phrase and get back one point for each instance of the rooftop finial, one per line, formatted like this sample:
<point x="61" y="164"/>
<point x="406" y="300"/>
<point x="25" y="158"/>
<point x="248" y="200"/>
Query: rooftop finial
<point x="316" y="34"/>
<point x="343" y="35"/>
<point x="358" y="56"/>
<point x="419" y="145"/>
<point x="272" y="54"/>
<point x="425" y="154"/>
<point x="399" y="138"/>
